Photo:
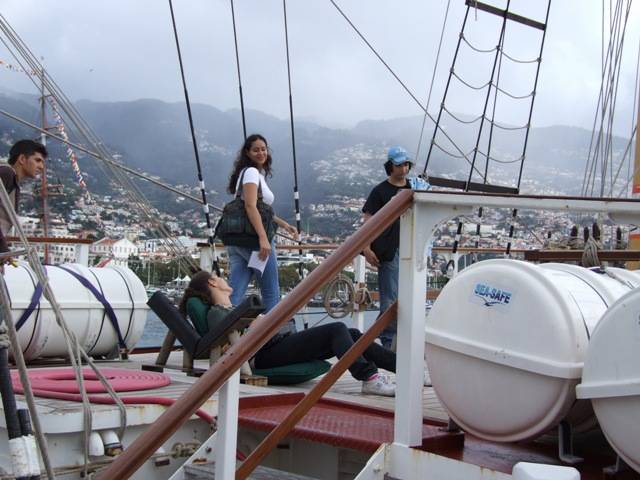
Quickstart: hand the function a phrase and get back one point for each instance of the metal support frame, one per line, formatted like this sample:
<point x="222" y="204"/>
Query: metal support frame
<point x="227" y="435"/>
<point x="417" y="226"/>
<point x="360" y="271"/>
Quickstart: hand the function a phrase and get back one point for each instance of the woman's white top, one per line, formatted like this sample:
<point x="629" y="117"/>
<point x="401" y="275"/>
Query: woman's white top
<point x="252" y="175"/>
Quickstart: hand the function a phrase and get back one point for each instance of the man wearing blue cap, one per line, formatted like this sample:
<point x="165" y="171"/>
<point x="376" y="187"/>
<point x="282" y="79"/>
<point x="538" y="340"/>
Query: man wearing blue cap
<point x="383" y="251"/>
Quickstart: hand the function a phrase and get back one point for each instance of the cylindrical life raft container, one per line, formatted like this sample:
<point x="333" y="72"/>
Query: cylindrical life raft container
<point x="611" y="376"/>
<point x="103" y="307"/>
<point x="506" y="341"/>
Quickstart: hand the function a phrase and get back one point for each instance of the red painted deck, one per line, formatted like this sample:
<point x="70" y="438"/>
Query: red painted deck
<point x="348" y="425"/>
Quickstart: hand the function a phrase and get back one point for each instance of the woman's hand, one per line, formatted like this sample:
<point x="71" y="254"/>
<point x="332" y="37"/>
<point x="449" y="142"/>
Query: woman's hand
<point x="291" y="230"/>
<point x="265" y="248"/>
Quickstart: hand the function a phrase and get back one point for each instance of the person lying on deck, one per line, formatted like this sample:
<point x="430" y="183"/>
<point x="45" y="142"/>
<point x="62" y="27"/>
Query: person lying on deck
<point x="208" y="296"/>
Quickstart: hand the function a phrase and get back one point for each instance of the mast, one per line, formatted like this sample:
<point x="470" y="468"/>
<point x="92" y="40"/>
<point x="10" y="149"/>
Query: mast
<point x="634" y="238"/>
<point x="43" y="177"/>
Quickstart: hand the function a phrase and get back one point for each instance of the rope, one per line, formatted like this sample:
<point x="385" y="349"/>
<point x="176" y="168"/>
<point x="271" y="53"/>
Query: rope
<point x="235" y="42"/>
<point x="590" y="253"/>
<point x="453" y="155"/>
<point x="479" y="50"/>
<point x="75" y="351"/>
<point x="433" y="77"/>
<point x="340" y="289"/>
<point x="497" y="160"/>
<point x="422" y="107"/>
<point x="296" y="193"/>
<point x="473" y="87"/>
<point x="136" y="197"/>
<point x="205" y="204"/>
<point x="4" y="337"/>
<point x="515" y="97"/>
<point x="452" y="115"/>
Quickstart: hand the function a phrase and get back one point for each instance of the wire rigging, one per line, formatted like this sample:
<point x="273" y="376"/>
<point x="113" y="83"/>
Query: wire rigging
<point x="235" y="42"/>
<point x="22" y="55"/>
<point x="433" y="77"/>
<point x="205" y="205"/>
<point x="296" y="193"/>
<point x="390" y="70"/>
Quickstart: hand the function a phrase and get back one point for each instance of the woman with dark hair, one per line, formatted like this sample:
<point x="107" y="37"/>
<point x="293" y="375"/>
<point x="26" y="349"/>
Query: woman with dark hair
<point x="207" y="301"/>
<point x="249" y="173"/>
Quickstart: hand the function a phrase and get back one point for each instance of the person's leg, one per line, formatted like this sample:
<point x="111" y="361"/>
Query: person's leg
<point x="269" y="282"/>
<point x="388" y="287"/>
<point x="239" y="272"/>
<point x="317" y="343"/>
<point x="381" y="356"/>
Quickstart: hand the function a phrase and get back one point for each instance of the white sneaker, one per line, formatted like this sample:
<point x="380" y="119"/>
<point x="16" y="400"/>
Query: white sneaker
<point x="379" y="385"/>
<point x="427" y="378"/>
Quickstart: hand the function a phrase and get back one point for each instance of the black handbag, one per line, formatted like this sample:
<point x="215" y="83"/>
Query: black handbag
<point x="234" y="227"/>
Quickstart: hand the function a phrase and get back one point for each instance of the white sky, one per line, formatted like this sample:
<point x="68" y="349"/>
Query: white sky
<point x="124" y="50"/>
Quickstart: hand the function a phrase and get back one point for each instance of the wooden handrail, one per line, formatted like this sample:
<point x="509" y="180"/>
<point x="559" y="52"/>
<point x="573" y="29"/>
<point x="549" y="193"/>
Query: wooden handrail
<point x="260" y="332"/>
<point x="310" y="399"/>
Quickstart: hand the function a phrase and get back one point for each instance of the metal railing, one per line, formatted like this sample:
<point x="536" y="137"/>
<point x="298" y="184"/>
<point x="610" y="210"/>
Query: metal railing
<point x="261" y="331"/>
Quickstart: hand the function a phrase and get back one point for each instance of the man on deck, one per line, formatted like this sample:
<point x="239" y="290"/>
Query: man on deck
<point x="383" y="251"/>
<point x="26" y="160"/>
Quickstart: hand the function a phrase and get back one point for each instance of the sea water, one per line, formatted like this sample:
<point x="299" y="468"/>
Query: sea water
<point x="155" y="330"/>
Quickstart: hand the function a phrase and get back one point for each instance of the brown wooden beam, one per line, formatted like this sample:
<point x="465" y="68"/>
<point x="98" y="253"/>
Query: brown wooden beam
<point x="79" y="241"/>
<point x="311" y="398"/>
<point x="576" y="255"/>
<point x="471" y="186"/>
<point x="511" y="16"/>
<point x="260" y="332"/>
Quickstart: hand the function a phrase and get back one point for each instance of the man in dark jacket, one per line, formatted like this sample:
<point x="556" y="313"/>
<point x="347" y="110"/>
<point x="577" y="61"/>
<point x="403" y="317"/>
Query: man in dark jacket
<point x="383" y="251"/>
<point x="26" y="160"/>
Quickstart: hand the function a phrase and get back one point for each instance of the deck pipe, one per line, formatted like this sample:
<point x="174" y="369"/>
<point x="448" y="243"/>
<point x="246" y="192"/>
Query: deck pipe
<point x="27" y="431"/>
<point x="9" y="402"/>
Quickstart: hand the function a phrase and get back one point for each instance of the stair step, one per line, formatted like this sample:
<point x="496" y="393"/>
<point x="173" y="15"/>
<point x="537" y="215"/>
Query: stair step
<point x="206" y="471"/>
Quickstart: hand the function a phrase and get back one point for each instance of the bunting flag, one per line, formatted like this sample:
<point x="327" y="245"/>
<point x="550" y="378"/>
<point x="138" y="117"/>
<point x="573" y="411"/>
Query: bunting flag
<point x="14" y="68"/>
<point x="70" y="153"/>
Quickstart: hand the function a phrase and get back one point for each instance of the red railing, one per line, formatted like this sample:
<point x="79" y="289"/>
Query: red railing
<point x="261" y="331"/>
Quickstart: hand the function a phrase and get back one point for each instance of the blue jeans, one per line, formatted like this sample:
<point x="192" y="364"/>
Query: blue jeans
<point x="240" y="276"/>
<point x="388" y="288"/>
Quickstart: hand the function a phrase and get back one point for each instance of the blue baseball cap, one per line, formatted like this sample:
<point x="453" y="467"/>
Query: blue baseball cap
<point x="398" y="155"/>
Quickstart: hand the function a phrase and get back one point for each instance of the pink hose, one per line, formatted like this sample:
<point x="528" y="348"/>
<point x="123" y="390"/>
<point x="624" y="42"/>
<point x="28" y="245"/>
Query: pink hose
<point x="60" y="384"/>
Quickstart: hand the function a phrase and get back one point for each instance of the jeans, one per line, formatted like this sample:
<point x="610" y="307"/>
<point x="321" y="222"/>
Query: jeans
<point x="240" y="276"/>
<point x="388" y="288"/>
<point x="321" y="343"/>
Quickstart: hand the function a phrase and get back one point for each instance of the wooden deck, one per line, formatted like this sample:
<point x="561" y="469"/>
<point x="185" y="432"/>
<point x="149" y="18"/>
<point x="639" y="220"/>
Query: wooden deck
<point x="347" y="388"/>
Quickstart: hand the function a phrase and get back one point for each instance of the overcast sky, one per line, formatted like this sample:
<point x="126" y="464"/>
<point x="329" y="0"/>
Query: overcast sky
<point x="124" y="50"/>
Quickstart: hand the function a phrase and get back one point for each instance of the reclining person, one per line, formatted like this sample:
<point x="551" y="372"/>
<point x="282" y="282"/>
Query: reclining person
<point x="207" y="297"/>
<point x="206" y="302"/>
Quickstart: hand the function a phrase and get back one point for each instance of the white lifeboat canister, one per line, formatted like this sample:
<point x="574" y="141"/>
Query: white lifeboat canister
<point x="611" y="376"/>
<point x="506" y="342"/>
<point x="85" y="315"/>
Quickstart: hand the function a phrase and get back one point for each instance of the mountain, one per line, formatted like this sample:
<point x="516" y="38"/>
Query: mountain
<point x="154" y="136"/>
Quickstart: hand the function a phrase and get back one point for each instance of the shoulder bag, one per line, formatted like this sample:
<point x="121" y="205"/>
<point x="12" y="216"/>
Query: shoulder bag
<point x="234" y="227"/>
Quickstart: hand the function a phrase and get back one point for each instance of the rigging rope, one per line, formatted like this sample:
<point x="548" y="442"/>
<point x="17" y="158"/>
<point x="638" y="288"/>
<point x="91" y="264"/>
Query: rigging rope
<point x="390" y="70"/>
<point x="296" y="193"/>
<point x="235" y="41"/>
<point x="136" y="197"/>
<point x="433" y="77"/>
<point x="205" y="204"/>
<point x="600" y="148"/>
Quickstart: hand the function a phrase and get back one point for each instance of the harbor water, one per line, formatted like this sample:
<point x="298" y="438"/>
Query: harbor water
<point x="155" y="330"/>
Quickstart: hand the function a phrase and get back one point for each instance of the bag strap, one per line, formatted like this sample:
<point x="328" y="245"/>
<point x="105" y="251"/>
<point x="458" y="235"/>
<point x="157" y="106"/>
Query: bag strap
<point x="239" y="190"/>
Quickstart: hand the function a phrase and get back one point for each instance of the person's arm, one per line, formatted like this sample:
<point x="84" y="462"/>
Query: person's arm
<point x="368" y="253"/>
<point x="7" y="178"/>
<point x="291" y="230"/>
<point x="250" y="193"/>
